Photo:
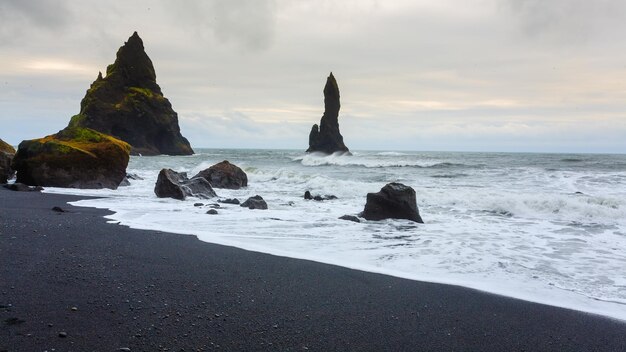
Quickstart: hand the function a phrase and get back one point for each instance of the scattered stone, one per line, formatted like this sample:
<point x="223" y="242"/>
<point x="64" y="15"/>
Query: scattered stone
<point x="256" y="202"/>
<point x="75" y="157"/>
<point x="59" y="210"/>
<point x="318" y="197"/>
<point x="326" y="138"/>
<point x="62" y="334"/>
<point x="225" y="175"/>
<point x="395" y="200"/>
<point x="198" y="204"/>
<point x="229" y="201"/>
<point x="20" y="187"/>
<point x="214" y="206"/>
<point x="124" y="349"/>
<point x="350" y="218"/>
<point x="171" y="184"/>
<point x="74" y="309"/>
<point x="212" y="212"/>
<point x="128" y="103"/>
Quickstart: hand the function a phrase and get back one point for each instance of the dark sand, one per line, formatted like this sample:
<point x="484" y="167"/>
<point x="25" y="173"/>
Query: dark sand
<point x="151" y="291"/>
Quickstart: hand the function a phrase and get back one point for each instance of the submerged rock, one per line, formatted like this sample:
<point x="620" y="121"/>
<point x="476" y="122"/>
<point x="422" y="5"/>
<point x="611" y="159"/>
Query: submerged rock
<point x="326" y="137"/>
<point x="75" y="157"/>
<point x="128" y="104"/>
<point x="318" y="197"/>
<point x="395" y="201"/>
<point x="7" y="152"/>
<point x="256" y="202"/>
<point x="229" y="201"/>
<point x="225" y="175"/>
<point x="171" y="184"/>
<point x="349" y="218"/>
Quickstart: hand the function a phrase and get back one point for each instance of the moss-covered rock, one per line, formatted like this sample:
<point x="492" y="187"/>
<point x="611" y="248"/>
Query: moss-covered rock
<point x="6" y="147"/>
<point x="6" y="156"/>
<point x="128" y="104"/>
<point x="75" y="157"/>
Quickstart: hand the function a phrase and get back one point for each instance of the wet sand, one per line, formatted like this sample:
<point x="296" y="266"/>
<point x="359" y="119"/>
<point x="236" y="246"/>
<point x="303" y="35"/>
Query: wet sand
<point x="70" y="281"/>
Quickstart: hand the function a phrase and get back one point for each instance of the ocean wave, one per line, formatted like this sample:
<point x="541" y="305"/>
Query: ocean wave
<point x="391" y="154"/>
<point x="536" y="207"/>
<point x="373" y="162"/>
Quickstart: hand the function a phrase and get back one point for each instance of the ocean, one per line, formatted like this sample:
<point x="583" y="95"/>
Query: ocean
<point x="547" y="228"/>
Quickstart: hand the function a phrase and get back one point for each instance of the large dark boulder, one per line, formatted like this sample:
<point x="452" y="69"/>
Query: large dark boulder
<point x="172" y="184"/>
<point x="6" y="157"/>
<point x="128" y="104"/>
<point x="326" y="138"/>
<point x="225" y="175"/>
<point x="394" y="201"/>
<point x="73" y="158"/>
<point x="256" y="202"/>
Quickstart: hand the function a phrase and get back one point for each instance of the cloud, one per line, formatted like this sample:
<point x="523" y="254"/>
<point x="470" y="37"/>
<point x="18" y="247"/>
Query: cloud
<point x="247" y="24"/>
<point x="17" y="17"/>
<point x="571" y="22"/>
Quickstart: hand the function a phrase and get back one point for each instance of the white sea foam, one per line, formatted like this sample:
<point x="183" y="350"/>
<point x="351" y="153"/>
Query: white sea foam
<point x="511" y="227"/>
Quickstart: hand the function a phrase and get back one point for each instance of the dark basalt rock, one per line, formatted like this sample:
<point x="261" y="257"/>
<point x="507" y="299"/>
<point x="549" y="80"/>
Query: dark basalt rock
<point x="171" y="184"/>
<point x="128" y="104"/>
<point x="256" y="202"/>
<point x="75" y="157"/>
<point x="229" y="201"/>
<point x="212" y="212"/>
<point x="20" y="187"/>
<point x="225" y="175"/>
<point x="7" y="152"/>
<point x="318" y="197"/>
<point x="394" y="201"/>
<point x="349" y="218"/>
<point x="326" y="138"/>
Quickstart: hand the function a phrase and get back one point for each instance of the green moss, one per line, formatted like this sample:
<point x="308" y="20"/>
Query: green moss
<point x="144" y="91"/>
<point x="110" y="69"/>
<point x="6" y="147"/>
<point x="77" y="120"/>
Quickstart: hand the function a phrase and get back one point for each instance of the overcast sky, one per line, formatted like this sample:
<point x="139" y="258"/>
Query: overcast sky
<point x="482" y="75"/>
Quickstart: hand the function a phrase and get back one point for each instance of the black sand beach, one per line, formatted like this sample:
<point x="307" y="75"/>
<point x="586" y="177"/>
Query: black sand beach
<point x="71" y="282"/>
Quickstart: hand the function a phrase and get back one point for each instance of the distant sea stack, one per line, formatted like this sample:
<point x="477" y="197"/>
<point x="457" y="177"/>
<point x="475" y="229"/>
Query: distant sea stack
<point x="128" y="104"/>
<point x="326" y="138"/>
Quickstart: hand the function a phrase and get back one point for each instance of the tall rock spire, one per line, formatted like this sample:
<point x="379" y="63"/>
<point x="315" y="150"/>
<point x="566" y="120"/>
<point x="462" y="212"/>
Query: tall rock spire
<point x="128" y="104"/>
<point x="326" y="138"/>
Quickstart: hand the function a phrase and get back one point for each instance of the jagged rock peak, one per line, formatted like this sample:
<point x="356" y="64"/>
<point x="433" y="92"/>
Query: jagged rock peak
<point x="326" y="137"/>
<point x="128" y="104"/>
<point x="134" y="65"/>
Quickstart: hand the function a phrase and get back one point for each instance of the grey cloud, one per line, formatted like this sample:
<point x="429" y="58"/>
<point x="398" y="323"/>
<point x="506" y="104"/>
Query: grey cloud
<point x="248" y="24"/>
<point x="565" y="21"/>
<point x="19" y="16"/>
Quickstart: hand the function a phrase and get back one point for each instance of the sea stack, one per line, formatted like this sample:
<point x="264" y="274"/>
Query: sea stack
<point x="326" y="138"/>
<point x="128" y="104"/>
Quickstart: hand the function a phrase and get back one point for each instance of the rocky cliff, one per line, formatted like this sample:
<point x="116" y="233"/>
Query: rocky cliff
<point x="326" y="138"/>
<point x="128" y="104"/>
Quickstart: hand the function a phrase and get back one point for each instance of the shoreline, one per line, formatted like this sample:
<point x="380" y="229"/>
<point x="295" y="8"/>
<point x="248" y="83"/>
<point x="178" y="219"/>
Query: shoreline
<point x="552" y="297"/>
<point x="150" y="290"/>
